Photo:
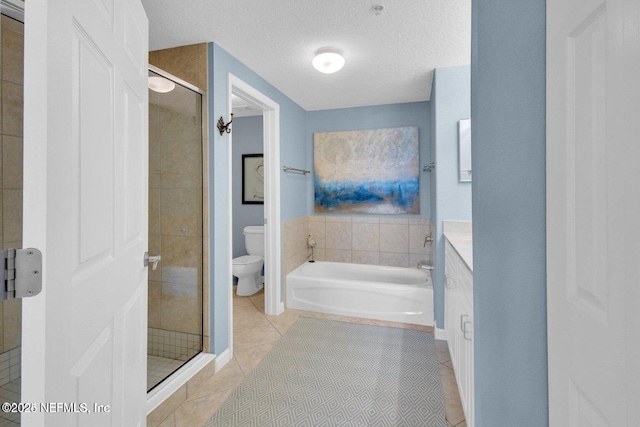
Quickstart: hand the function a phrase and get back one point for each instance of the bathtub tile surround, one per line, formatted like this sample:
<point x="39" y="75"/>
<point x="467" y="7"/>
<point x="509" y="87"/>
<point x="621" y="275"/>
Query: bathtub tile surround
<point x="397" y="242"/>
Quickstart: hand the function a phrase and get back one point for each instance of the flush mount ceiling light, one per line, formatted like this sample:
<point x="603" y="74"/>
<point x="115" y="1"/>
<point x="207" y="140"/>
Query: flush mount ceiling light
<point x="160" y="84"/>
<point x="328" y="60"/>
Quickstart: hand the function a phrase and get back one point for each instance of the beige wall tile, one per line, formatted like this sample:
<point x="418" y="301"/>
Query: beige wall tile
<point x="180" y="125"/>
<point x="319" y="232"/>
<point x="181" y="251"/>
<point x="12" y="323"/>
<point x="12" y="215"/>
<point x="181" y="61"/>
<point x="155" y="248"/>
<point x="2" y="329"/>
<point x="329" y="219"/>
<point x="394" y="238"/>
<point x="394" y="259"/>
<point x="154" y="117"/>
<point x="316" y="218"/>
<point x="12" y="105"/>
<point x="320" y="254"/>
<point x="419" y="221"/>
<point x="337" y="255"/>
<point x="202" y="66"/>
<point x="155" y="304"/>
<point x="417" y="235"/>
<point x="2" y="242"/>
<point x="181" y="164"/>
<point x="11" y="168"/>
<point x="11" y="245"/>
<point x="365" y="236"/>
<point x="181" y="212"/>
<point x="155" y="164"/>
<point x="12" y="51"/>
<point x="154" y="211"/>
<point x="391" y="220"/>
<point x="365" y="220"/>
<point x="288" y="241"/>
<point x="299" y="233"/>
<point x="365" y="257"/>
<point x="338" y="235"/>
<point x="181" y="314"/>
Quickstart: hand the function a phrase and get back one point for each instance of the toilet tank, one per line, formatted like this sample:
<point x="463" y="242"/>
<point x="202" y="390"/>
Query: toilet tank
<point x="254" y="240"/>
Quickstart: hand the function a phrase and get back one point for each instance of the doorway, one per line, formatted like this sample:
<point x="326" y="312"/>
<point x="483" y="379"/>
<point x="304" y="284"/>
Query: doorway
<point x="257" y="101"/>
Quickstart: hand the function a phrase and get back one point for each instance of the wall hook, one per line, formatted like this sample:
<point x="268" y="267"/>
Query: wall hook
<point x="222" y="127"/>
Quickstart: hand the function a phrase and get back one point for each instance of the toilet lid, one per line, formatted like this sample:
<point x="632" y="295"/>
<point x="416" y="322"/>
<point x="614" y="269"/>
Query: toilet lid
<point x="247" y="259"/>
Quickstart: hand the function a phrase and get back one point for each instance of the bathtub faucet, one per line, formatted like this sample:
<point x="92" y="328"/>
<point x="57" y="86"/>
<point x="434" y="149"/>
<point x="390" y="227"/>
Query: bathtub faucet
<point x="424" y="266"/>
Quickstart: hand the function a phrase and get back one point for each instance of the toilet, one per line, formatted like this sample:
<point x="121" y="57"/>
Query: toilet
<point x="248" y="268"/>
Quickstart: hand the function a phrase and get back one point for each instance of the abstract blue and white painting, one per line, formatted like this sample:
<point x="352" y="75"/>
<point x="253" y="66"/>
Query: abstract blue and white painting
<point x="368" y="171"/>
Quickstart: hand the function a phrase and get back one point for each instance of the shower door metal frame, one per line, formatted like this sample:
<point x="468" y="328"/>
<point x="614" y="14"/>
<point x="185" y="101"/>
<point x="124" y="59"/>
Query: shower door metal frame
<point x="157" y="389"/>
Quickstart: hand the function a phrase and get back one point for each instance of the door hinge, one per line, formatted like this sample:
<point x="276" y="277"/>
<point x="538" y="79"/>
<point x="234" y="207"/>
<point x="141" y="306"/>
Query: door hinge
<point x="22" y="273"/>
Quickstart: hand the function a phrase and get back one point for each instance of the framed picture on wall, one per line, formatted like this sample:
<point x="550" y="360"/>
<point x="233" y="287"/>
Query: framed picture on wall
<point x="252" y="179"/>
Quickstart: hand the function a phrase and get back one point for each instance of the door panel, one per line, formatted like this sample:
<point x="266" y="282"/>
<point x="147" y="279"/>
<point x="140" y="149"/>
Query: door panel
<point x="593" y="53"/>
<point x="86" y="207"/>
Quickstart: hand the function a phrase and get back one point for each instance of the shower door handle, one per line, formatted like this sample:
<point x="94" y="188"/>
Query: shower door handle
<point x="153" y="260"/>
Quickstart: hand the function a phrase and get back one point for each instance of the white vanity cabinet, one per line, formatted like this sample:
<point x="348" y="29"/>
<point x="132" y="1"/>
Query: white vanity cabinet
<point x="459" y="325"/>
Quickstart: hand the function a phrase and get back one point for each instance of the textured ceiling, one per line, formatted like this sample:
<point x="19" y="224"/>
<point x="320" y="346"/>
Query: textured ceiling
<point x="389" y="57"/>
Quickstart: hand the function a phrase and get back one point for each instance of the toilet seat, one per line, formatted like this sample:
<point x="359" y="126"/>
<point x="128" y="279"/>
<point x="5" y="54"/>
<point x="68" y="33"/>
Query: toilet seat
<point x="247" y="259"/>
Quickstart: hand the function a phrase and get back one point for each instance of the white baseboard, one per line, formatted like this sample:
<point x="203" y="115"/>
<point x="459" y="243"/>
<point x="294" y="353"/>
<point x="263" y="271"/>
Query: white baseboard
<point x="440" y="334"/>
<point x="223" y="359"/>
<point x="177" y="380"/>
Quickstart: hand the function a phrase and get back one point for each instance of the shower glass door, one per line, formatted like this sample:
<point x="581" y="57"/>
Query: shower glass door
<point x="175" y="226"/>
<point x="12" y="42"/>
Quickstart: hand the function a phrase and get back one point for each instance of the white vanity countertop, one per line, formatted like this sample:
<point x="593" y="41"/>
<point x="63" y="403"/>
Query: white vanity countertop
<point x="463" y="244"/>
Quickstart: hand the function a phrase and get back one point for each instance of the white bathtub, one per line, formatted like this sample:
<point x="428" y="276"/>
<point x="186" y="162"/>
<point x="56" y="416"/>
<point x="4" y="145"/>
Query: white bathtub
<point x="375" y="292"/>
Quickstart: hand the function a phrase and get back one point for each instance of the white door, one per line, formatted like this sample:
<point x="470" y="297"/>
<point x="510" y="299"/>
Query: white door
<point x="85" y="208"/>
<point x="593" y="203"/>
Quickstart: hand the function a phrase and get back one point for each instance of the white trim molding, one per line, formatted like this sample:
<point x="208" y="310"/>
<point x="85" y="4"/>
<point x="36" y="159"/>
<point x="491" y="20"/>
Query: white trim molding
<point x="272" y="224"/>
<point x="177" y="380"/>
<point x="440" y="334"/>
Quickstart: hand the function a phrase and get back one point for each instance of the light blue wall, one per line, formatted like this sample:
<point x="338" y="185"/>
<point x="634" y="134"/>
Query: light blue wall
<point x="292" y="150"/>
<point x="509" y="275"/>
<point x="375" y="117"/>
<point x="450" y="99"/>
<point x="247" y="139"/>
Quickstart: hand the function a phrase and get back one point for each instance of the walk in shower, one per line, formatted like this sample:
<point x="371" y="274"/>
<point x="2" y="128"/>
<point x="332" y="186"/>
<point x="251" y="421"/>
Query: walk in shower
<point x="175" y="332"/>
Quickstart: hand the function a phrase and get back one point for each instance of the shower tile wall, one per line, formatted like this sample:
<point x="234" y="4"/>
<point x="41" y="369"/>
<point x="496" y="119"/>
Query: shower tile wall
<point x="188" y="63"/>
<point x="175" y="222"/>
<point x="12" y="43"/>
<point x="361" y="240"/>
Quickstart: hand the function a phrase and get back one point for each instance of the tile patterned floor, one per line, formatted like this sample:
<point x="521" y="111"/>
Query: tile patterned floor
<point x="254" y="334"/>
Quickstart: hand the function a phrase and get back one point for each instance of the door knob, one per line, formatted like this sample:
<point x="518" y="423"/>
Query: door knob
<point x="153" y="260"/>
